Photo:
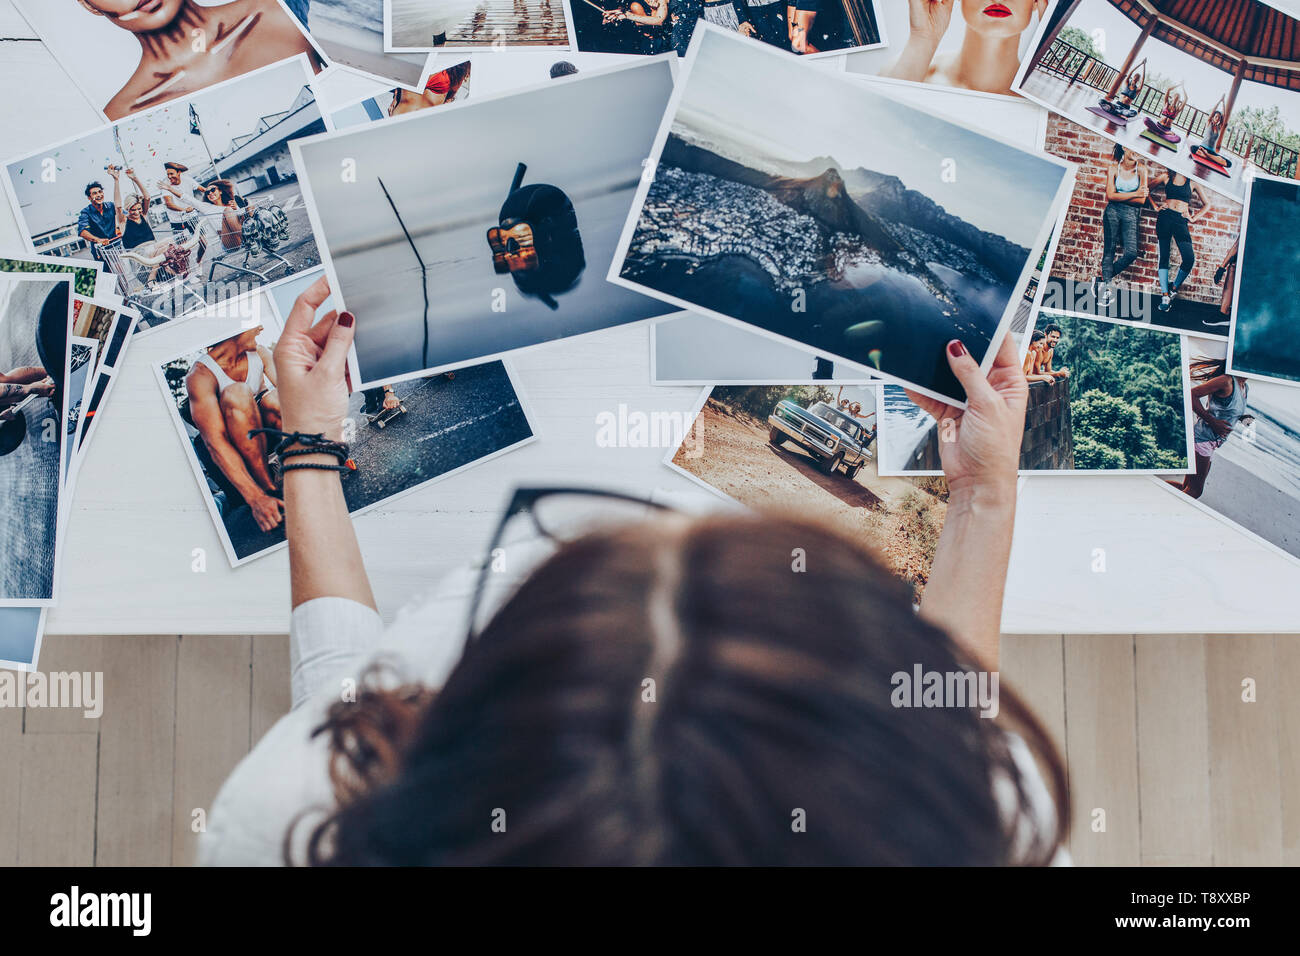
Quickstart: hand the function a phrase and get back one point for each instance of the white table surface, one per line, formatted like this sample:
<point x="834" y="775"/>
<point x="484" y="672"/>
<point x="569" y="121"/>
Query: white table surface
<point x="137" y="515"/>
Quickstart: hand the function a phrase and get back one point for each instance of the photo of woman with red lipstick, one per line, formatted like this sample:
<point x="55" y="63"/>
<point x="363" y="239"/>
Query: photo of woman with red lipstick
<point x="132" y="55"/>
<point x="965" y="44"/>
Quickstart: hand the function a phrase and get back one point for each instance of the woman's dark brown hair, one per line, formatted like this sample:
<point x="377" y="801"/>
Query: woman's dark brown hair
<point x="715" y="691"/>
<point x="225" y="189"/>
<point x="1204" y="369"/>
<point x="457" y="74"/>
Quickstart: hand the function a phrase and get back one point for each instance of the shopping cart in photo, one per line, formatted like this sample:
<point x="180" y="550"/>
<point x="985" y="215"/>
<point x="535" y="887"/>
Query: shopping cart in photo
<point x="264" y="230"/>
<point x="159" y="286"/>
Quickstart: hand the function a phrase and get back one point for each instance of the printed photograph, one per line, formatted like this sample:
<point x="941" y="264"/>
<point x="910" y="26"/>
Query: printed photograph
<point x="401" y="436"/>
<point x="1247" y="449"/>
<point x="804" y="27"/>
<point x="188" y="205"/>
<point x="1140" y="242"/>
<point x="84" y="277"/>
<point x="811" y="449"/>
<point x="1205" y="89"/>
<point x="81" y="366"/>
<point x="423" y="25"/>
<point x="875" y="242"/>
<point x="21" y="629"/>
<point x="351" y="34"/>
<point x="1103" y="398"/>
<point x="1265" y="339"/>
<point x="972" y="45"/>
<point x="449" y="85"/>
<point x="94" y="320"/>
<point x="505" y="241"/>
<point x="35" y="319"/>
<point x="692" y="349"/>
<point x="105" y="375"/>
<point x="529" y="67"/>
<point x="128" y="56"/>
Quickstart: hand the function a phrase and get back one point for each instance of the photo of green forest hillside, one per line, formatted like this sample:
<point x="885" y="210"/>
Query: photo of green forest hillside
<point x="1128" y="400"/>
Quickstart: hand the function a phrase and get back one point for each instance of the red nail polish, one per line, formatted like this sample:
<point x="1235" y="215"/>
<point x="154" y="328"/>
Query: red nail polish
<point x="956" y="349"/>
<point x="346" y="319"/>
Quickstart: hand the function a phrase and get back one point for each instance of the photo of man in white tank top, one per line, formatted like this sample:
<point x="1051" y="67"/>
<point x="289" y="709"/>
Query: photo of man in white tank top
<point x="231" y="391"/>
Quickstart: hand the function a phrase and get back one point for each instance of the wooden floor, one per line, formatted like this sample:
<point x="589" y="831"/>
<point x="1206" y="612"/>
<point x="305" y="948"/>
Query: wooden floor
<point x="1154" y="730"/>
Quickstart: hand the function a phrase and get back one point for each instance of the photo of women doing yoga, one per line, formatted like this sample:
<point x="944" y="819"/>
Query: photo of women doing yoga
<point x="1205" y="87"/>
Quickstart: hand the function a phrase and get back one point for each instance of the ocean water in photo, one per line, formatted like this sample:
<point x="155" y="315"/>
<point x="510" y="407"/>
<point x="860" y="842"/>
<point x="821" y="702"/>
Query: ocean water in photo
<point x="365" y="15"/>
<point x="1255" y="477"/>
<point x="473" y="311"/>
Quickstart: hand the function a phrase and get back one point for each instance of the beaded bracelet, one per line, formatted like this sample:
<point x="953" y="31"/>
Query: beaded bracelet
<point x="316" y="444"/>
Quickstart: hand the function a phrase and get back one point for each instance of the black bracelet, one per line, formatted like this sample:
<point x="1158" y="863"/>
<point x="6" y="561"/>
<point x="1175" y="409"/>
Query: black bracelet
<point x="316" y="444"/>
<point x="302" y="465"/>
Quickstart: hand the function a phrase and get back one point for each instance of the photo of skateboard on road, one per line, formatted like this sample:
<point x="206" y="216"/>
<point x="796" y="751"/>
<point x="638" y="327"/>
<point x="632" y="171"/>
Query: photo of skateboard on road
<point x="400" y="435"/>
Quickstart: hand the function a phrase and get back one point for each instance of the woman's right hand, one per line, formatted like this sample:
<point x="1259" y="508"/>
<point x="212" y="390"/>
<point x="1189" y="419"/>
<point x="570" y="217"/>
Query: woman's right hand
<point x="929" y="19"/>
<point x="1219" y="426"/>
<point x="979" y="446"/>
<point x="311" y="365"/>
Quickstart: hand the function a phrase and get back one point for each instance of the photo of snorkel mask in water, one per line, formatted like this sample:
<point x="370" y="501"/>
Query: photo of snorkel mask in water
<point x="537" y="240"/>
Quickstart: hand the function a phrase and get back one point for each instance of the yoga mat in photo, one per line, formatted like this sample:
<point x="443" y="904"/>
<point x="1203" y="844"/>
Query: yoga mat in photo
<point x="236" y="222"/>
<point x="449" y="83"/>
<point x="1251" y="477"/>
<point x="1124" y="408"/>
<point x="501" y="242"/>
<point x="1118" y="252"/>
<point x="974" y="45"/>
<point x="825" y="27"/>
<point x="351" y="34"/>
<point x="130" y="58"/>
<point x="35" y="352"/>
<point x="687" y="348"/>
<point x="1265" y="337"/>
<point x="21" y="630"/>
<point x="771" y="448"/>
<point x="427" y="430"/>
<point x="1206" y="89"/>
<point x="456" y="25"/>
<point x="874" y="242"/>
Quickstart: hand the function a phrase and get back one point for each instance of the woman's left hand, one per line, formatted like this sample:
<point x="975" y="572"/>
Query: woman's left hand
<point x="979" y="446"/>
<point x="311" y="366"/>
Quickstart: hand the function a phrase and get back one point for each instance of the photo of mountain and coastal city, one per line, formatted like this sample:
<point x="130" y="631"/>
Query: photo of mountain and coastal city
<point x="770" y="206"/>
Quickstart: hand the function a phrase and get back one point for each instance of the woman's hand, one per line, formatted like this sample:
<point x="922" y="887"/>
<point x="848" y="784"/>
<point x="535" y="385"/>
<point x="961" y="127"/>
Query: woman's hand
<point x="311" y="365"/>
<point x="980" y="445"/>
<point x="1218" y="426"/>
<point x="929" y="19"/>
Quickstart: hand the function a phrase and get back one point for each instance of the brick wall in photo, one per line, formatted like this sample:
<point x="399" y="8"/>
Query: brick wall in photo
<point x="1078" y="255"/>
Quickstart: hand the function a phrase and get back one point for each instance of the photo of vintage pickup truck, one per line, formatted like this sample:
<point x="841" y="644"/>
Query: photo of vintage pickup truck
<point x="833" y="437"/>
